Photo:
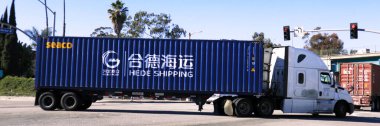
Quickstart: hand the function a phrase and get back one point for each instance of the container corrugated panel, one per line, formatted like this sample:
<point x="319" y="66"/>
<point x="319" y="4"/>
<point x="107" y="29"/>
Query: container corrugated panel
<point x="156" y="65"/>
<point x="364" y="77"/>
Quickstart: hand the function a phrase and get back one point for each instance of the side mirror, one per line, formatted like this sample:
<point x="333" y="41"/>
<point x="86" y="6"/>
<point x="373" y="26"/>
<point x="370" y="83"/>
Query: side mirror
<point x="351" y="89"/>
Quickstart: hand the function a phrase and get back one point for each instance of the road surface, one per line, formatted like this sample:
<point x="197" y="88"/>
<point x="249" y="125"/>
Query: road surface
<point x="15" y="111"/>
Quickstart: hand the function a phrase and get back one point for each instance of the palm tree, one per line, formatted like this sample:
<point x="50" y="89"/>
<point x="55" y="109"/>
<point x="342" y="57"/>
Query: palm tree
<point x="118" y="15"/>
<point x="35" y="34"/>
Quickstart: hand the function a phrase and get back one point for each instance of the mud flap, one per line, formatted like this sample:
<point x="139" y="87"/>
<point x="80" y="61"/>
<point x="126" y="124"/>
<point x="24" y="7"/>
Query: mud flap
<point x="351" y="108"/>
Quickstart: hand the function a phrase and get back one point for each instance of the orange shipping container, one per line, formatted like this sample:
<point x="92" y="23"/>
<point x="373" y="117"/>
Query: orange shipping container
<point x="364" y="81"/>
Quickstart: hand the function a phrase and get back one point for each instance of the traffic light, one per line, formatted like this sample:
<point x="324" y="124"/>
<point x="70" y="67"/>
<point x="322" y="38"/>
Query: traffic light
<point x="354" y="30"/>
<point x="286" y="30"/>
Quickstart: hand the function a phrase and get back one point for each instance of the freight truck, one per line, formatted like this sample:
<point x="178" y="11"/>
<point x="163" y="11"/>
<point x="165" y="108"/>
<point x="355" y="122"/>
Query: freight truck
<point x="245" y="78"/>
<point x="363" y="81"/>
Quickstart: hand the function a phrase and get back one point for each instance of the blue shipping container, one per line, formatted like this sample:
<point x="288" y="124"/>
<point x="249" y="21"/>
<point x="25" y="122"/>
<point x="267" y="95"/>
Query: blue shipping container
<point x="151" y="65"/>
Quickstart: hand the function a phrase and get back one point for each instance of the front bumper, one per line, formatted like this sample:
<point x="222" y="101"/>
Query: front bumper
<point x="351" y="108"/>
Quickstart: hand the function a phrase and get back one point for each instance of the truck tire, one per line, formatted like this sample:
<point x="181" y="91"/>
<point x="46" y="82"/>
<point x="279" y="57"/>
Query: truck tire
<point x="228" y="107"/>
<point x="340" y="109"/>
<point x="219" y="107"/>
<point x="243" y="107"/>
<point x="264" y="108"/>
<point x="70" y="101"/>
<point x="48" y="101"/>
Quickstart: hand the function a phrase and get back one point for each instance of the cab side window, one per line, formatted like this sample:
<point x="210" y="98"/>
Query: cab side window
<point x="301" y="78"/>
<point x="325" y="78"/>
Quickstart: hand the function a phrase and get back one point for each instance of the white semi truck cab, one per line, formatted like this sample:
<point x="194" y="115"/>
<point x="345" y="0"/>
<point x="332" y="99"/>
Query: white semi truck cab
<point x="295" y="81"/>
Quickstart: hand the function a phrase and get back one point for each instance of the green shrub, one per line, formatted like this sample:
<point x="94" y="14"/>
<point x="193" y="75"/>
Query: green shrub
<point x="17" y="86"/>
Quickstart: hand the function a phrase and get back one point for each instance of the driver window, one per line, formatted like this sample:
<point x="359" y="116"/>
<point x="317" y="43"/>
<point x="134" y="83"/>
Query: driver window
<point x="325" y="78"/>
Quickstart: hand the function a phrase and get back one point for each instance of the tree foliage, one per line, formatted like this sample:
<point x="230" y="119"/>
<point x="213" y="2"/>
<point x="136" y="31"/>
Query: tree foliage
<point x="260" y="37"/>
<point x="118" y="16"/>
<point x="143" y="24"/>
<point x="153" y="25"/>
<point x="103" y="32"/>
<point x="35" y="34"/>
<point x="15" y="58"/>
<point x="12" y="15"/>
<point x="325" y="44"/>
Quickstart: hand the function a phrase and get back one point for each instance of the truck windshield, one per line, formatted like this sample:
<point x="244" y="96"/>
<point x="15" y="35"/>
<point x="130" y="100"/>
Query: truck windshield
<point x="325" y="78"/>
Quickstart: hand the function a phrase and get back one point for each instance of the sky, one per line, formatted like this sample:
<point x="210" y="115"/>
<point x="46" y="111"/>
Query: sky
<point x="217" y="19"/>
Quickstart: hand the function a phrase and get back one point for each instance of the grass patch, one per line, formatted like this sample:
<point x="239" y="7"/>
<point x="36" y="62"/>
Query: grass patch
<point x="17" y="86"/>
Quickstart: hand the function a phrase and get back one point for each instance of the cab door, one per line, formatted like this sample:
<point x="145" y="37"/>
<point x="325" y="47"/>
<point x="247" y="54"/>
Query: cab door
<point x="326" y="94"/>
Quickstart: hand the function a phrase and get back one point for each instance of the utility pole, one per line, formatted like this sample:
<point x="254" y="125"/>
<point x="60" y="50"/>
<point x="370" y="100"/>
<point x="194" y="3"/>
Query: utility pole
<point x="47" y="25"/>
<point x="64" y="17"/>
<point x="47" y="21"/>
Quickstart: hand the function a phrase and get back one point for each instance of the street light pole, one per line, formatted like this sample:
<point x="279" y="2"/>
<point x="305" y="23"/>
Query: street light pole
<point x="47" y="21"/>
<point x="64" y="17"/>
<point x="54" y="25"/>
<point x="190" y="34"/>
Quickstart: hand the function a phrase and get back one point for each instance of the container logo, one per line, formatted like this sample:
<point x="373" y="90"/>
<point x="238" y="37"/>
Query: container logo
<point x="111" y="61"/>
<point x="161" y="65"/>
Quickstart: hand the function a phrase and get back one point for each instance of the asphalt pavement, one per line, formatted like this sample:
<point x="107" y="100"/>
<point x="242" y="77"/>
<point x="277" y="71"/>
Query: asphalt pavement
<point x="19" y="111"/>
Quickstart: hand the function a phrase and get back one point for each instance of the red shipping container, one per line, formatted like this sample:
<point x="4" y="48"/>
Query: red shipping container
<point x="365" y="80"/>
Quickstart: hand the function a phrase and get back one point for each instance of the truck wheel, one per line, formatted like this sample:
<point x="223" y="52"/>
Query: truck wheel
<point x="228" y="107"/>
<point x="48" y="101"/>
<point x="340" y="109"/>
<point x="264" y="107"/>
<point x="243" y="107"/>
<point x="219" y="107"/>
<point x="70" y="101"/>
<point x="87" y="102"/>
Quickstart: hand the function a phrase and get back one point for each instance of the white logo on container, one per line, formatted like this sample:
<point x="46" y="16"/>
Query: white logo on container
<point x="110" y="62"/>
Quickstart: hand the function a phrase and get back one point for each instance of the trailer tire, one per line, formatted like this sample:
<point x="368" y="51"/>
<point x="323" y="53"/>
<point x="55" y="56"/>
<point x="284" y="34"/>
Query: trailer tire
<point x="228" y="107"/>
<point x="70" y="101"/>
<point x="264" y="108"/>
<point x="48" y="101"/>
<point x="340" y="109"/>
<point x="243" y="107"/>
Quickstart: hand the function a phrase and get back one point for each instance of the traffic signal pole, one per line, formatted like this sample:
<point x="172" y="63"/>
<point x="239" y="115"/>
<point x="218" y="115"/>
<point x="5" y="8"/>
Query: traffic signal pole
<point x="14" y="27"/>
<point x="359" y="29"/>
<point x="299" y="31"/>
<point x="370" y="31"/>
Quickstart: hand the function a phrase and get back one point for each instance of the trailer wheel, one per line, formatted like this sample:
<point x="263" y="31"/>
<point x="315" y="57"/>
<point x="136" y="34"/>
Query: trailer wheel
<point x="264" y="107"/>
<point x="243" y="107"/>
<point x="70" y="101"/>
<point x="48" y="101"/>
<point x="340" y="109"/>
<point x="228" y="107"/>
